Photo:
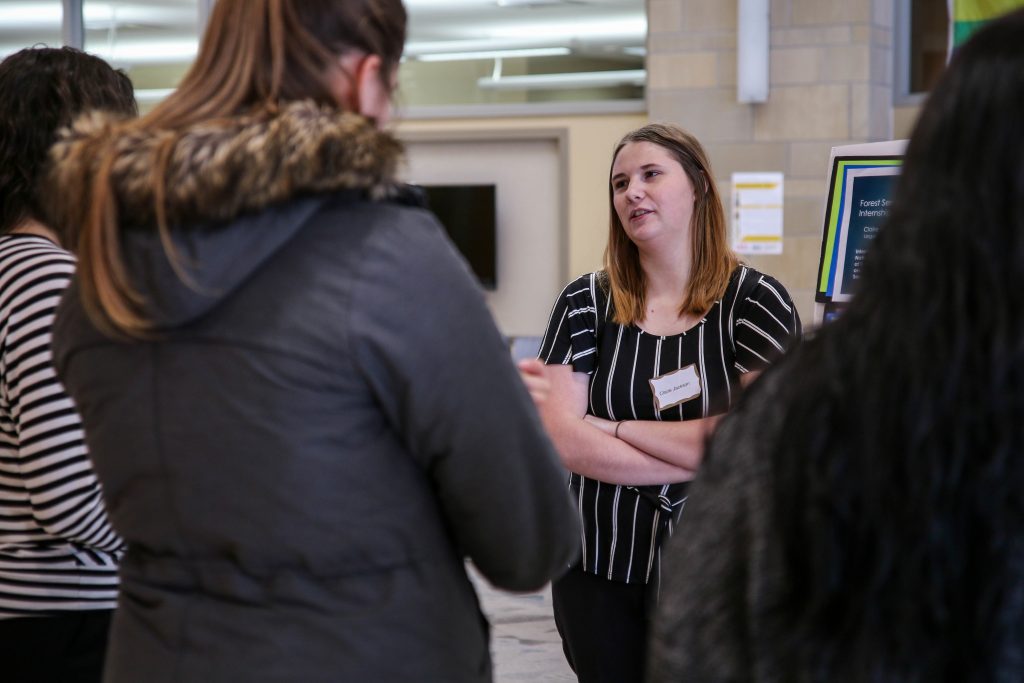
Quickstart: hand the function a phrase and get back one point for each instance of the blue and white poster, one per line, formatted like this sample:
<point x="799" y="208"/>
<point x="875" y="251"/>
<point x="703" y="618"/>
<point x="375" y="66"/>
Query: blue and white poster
<point x="865" y="209"/>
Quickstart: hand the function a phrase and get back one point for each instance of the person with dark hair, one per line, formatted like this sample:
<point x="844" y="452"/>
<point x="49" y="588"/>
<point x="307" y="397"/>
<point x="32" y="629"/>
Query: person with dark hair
<point x="859" y="516"/>
<point x="643" y="357"/>
<point x="58" y="553"/>
<point x="44" y="90"/>
<point x="302" y="414"/>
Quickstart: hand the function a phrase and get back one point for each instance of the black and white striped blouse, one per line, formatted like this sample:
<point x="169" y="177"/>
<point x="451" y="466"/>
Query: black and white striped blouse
<point x="623" y="526"/>
<point x="57" y="550"/>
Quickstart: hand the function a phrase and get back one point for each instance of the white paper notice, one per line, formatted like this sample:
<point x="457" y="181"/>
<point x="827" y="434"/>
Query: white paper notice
<point x="757" y="213"/>
<point x="676" y="387"/>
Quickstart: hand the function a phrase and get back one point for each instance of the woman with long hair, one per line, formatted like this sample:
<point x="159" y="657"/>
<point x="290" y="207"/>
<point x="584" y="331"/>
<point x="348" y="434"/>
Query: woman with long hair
<point x="860" y="516"/>
<point x="299" y="407"/>
<point x="642" y="359"/>
<point x="58" y="552"/>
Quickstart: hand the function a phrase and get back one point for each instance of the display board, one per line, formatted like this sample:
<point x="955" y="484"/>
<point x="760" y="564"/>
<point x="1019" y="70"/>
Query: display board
<point x="861" y="182"/>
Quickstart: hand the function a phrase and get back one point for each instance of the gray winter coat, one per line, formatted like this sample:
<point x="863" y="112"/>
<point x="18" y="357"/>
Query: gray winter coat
<point x="325" y="425"/>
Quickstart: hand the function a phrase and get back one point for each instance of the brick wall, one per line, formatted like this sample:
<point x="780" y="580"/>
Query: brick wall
<point x="830" y="84"/>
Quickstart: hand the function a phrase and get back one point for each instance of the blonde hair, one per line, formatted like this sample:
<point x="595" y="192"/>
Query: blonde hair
<point x="712" y="260"/>
<point x="255" y="56"/>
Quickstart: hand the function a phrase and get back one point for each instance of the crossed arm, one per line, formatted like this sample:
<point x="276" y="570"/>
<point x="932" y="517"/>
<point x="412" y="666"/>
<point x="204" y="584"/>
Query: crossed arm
<point x="643" y="452"/>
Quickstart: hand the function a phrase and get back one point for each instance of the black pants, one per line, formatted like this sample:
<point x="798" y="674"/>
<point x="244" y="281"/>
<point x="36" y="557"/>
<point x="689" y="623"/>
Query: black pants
<point x="603" y="625"/>
<point x="66" y="648"/>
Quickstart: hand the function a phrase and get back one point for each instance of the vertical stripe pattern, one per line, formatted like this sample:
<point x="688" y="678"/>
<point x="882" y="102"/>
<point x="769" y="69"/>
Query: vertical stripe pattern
<point x="750" y="327"/>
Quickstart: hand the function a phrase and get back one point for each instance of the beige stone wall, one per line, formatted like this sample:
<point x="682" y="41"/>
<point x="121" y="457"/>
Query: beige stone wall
<point x="590" y="141"/>
<point x="903" y="119"/>
<point x="830" y="84"/>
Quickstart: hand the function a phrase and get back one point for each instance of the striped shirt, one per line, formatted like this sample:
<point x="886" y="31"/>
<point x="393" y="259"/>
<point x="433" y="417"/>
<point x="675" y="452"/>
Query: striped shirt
<point x="623" y="526"/>
<point x="57" y="549"/>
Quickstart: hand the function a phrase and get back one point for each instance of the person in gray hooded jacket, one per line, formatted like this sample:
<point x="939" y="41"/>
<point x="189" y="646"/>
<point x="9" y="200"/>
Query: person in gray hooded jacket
<point x="299" y="407"/>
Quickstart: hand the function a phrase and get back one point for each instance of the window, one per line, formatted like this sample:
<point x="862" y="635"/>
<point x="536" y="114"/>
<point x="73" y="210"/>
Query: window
<point x="922" y="43"/>
<point x="29" y="23"/>
<point x="925" y="30"/>
<point x="460" y="54"/>
<point x="154" y="42"/>
<point x="523" y="51"/>
<point x="929" y="42"/>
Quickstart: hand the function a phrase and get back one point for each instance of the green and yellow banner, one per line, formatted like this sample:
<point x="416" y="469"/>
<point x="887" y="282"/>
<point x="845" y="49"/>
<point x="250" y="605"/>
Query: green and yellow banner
<point x="969" y="15"/>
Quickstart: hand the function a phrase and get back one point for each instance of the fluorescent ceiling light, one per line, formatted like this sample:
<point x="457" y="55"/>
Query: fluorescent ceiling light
<point x="528" y="3"/>
<point x="584" y="79"/>
<point x="147" y="51"/>
<point x="35" y="15"/>
<point x="31" y="15"/>
<point x="624" y="29"/>
<point x="126" y="53"/>
<point x="494" y="54"/>
<point x="447" y="4"/>
<point x="416" y="50"/>
<point x="147" y="95"/>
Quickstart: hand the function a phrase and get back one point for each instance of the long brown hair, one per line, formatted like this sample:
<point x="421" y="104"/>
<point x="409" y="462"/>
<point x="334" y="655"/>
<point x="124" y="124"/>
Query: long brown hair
<point x="255" y="56"/>
<point x="712" y="259"/>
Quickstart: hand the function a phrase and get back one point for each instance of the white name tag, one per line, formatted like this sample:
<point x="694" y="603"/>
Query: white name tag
<point x="676" y="387"/>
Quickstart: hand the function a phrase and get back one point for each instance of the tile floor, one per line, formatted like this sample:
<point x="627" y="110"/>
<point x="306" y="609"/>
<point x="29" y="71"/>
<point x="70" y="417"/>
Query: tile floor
<point x="524" y="642"/>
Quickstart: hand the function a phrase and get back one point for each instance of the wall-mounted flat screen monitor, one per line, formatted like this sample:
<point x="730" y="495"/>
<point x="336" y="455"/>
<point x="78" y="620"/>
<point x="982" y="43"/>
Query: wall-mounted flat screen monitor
<point x="468" y="214"/>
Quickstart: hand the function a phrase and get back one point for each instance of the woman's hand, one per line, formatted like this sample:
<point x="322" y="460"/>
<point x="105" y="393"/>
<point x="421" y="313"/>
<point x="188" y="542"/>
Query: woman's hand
<point x="534" y="374"/>
<point x="586" y="444"/>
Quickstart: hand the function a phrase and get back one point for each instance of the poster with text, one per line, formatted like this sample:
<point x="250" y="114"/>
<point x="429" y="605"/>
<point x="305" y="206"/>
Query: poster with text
<point x="867" y="192"/>
<point x="868" y="170"/>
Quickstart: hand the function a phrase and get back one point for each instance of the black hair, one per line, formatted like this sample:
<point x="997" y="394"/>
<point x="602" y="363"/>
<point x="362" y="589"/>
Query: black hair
<point x="41" y="91"/>
<point x="899" y="469"/>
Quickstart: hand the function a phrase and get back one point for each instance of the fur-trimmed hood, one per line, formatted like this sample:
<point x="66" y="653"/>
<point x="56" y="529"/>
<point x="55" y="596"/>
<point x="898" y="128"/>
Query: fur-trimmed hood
<point x="236" y="191"/>
<point x="220" y="169"/>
